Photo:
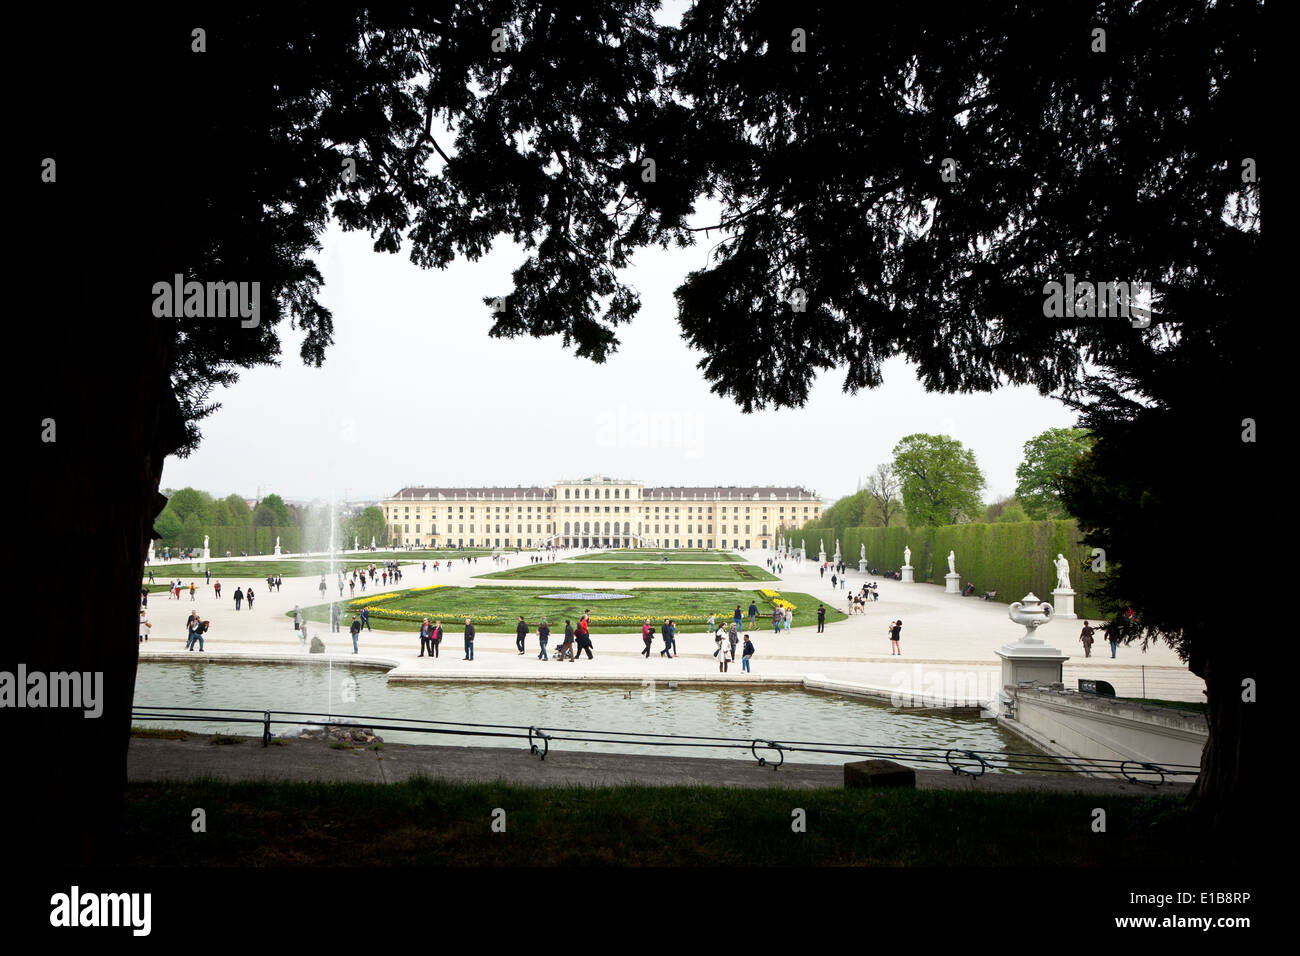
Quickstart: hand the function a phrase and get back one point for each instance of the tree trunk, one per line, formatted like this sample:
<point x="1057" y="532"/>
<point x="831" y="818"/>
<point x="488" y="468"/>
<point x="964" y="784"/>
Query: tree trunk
<point x="1226" y="790"/>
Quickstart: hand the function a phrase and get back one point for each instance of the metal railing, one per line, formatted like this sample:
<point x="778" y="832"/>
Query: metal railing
<point x="973" y="763"/>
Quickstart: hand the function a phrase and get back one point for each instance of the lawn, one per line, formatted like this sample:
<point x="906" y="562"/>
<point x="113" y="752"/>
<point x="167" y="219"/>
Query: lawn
<point x="497" y="609"/>
<point x="573" y="571"/>
<point x="632" y="554"/>
<point x="434" y="823"/>
<point x="298" y="567"/>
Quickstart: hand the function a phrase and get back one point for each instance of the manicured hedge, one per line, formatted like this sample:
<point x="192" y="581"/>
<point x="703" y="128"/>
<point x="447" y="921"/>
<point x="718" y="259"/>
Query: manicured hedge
<point x="1012" y="558"/>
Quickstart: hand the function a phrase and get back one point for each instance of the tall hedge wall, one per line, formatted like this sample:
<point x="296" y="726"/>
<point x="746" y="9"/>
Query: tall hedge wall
<point x="1012" y="558"/>
<point x="237" y="538"/>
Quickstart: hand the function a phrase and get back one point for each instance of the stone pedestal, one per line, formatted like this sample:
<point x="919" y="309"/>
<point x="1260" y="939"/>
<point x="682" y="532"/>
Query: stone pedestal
<point x="907" y="570"/>
<point x="952" y="583"/>
<point x="277" y="550"/>
<point x="862" y="566"/>
<point x="207" y="555"/>
<point x="821" y="557"/>
<point x="1063" y="601"/>
<point x="863" y="774"/>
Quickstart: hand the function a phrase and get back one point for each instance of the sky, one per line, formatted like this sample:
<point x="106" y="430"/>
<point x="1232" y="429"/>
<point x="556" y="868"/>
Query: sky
<point x="414" y="392"/>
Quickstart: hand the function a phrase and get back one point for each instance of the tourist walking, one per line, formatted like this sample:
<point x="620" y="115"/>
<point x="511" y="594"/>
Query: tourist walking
<point x="354" y="629"/>
<point x="778" y="619"/>
<point x="145" y="626"/>
<point x="821" y="618"/>
<point x="365" y="618"/>
<point x="469" y="640"/>
<point x="192" y="590"/>
<point x="753" y="614"/>
<point x="1114" y="643"/>
<point x="216" y="590"/>
<point x="749" y="652"/>
<point x="710" y="625"/>
<point x="666" y="631"/>
<point x="335" y="616"/>
<point x="788" y="619"/>
<point x="1085" y="636"/>
<point x="583" y="636"/>
<point x="543" y="638"/>
<point x="737" y="618"/>
<point x="895" y="629"/>
<point x="239" y="597"/>
<point x="521" y="634"/>
<point x="426" y="638"/>
<point x="248" y="596"/>
<point x="323" y="587"/>
<point x="297" y="618"/>
<point x="647" y="635"/>
<point x="834" y="581"/>
<point x="733" y="638"/>
<point x="566" y="649"/>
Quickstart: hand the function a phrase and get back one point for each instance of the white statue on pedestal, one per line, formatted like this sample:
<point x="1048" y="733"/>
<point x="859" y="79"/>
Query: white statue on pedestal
<point x="356" y="543"/>
<point x="205" y="542"/>
<point x="907" y="557"/>
<point x="1062" y="572"/>
<point x="862" y="551"/>
<point x="952" y="562"/>
<point x="372" y="542"/>
<point x="277" y="544"/>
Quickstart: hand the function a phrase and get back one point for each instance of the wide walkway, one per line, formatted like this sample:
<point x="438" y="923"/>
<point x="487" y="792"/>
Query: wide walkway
<point x="948" y="642"/>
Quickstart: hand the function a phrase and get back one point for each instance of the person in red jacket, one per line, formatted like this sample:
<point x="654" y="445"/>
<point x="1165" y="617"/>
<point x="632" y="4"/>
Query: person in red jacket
<point x="647" y="635"/>
<point x="583" y="637"/>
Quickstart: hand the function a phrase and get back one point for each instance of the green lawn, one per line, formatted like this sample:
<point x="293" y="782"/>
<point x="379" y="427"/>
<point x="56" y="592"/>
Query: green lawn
<point x="632" y="554"/>
<point x="300" y="567"/>
<point x="573" y="571"/>
<point x="424" y="823"/>
<point x="497" y="609"/>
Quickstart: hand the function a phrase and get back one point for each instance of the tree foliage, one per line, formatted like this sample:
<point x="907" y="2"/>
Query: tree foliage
<point x="1047" y="458"/>
<point x="940" y="480"/>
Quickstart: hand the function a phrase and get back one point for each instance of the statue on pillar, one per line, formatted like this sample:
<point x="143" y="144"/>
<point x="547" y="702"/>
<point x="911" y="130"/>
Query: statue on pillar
<point x="1062" y="572"/>
<point x="952" y="562"/>
<point x="907" y="557"/>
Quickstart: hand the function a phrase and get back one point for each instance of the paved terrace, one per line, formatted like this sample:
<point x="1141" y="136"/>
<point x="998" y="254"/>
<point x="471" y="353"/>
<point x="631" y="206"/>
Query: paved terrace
<point x="948" y="641"/>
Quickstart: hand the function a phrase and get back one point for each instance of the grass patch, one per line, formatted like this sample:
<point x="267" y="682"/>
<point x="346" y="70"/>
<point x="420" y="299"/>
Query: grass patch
<point x="670" y="556"/>
<point x="627" y="571"/>
<point x="1195" y="706"/>
<point x="497" y="609"/>
<point x="159" y="733"/>
<point x="226" y="740"/>
<point x="433" y="823"/>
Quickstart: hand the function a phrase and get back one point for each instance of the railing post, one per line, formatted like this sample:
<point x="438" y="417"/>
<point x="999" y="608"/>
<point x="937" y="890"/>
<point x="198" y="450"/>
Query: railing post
<point x="266" y="728"/>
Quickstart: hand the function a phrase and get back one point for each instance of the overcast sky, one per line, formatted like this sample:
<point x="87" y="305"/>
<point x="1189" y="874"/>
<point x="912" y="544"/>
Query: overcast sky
<point x="414" y="392"/>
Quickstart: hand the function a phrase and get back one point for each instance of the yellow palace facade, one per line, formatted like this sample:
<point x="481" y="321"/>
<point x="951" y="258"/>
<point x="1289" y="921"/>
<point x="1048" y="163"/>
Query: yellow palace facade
<point x="598" y="512"/>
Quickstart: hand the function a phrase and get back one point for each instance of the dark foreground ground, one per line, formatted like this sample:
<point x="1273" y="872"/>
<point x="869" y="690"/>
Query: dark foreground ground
<point x="312" y="803"/>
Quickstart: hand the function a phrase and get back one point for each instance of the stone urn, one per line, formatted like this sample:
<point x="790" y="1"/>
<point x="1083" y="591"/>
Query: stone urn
<point x="1032" y="614"/>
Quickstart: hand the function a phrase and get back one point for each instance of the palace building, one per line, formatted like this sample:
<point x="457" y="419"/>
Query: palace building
<point x="597" y="512"/>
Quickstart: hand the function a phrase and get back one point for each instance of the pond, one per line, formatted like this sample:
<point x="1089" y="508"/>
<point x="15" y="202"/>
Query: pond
<point x="784" y="714"/>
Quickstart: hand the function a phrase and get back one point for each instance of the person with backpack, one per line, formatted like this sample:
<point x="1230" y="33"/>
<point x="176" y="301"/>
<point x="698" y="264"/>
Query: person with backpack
<point x="748" y="652"/>
<point x="354" y="629"/>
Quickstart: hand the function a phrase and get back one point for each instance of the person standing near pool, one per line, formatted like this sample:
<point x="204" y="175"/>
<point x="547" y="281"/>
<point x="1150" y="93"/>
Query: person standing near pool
<point x="355" y="630"/>
<point x="666" y="631"/>
<point x="647" y="635"/>
<point x="543" y="637"/>
<point x="437" y="637"/>
<point x="521" y="634"/>
<point x="895" y="629"/>
<point x="733" y="638"/>
<point x="426" y="638"/>
<point x="748" y="652"/>
<point x="469" y="640"/>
